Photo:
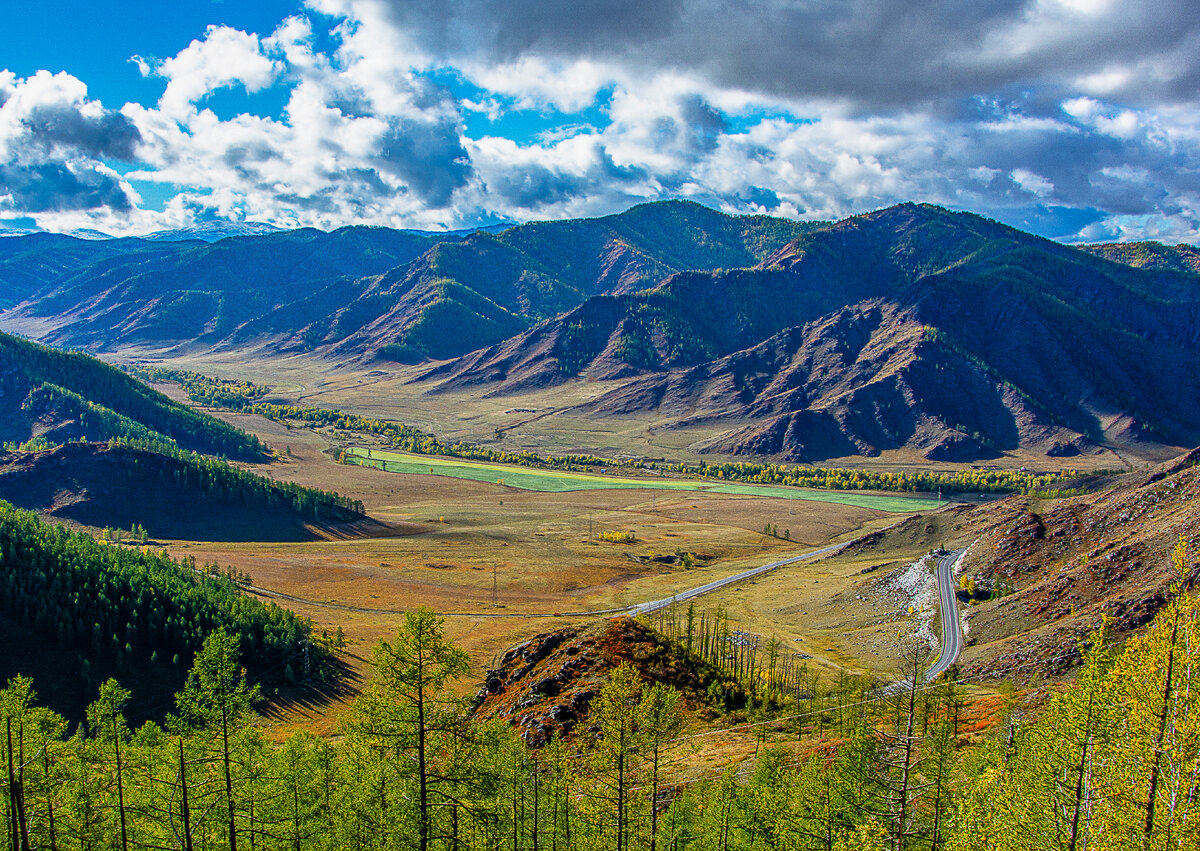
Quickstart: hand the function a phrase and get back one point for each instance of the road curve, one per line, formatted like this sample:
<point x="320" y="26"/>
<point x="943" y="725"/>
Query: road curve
<point x="952" y="636"/>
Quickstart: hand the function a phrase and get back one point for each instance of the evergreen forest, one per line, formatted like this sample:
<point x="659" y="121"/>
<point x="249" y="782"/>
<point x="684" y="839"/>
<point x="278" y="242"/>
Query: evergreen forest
<point x="1110" y="761"/>
<point x="106" y="402"/>
<point x="124" y="608"/>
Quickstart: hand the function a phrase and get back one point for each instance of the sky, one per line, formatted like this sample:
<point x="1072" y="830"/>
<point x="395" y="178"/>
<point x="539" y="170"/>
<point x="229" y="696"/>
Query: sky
<point x="1074" y="119"/>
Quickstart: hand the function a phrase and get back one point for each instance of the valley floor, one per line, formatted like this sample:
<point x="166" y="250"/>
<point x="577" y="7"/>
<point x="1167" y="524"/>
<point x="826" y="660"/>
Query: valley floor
<point x="461" y="545"/>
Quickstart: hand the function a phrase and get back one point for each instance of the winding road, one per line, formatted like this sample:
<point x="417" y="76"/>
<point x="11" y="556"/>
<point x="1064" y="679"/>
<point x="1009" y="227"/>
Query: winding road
<point x="952" y="636"/>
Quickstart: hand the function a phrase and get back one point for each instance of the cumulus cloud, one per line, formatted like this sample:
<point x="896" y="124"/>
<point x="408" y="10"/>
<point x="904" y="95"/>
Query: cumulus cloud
<point x="1074" y="117"/>
<point x="53" y="143"/>
<point x="224" y="57"/>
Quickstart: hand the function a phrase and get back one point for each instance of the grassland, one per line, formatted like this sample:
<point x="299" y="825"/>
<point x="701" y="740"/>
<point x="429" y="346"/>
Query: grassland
<point x="548" y="421"/>
<point x="449" y="541"/>
<point x="463" y="543"/>
<point x="554" y="481"/>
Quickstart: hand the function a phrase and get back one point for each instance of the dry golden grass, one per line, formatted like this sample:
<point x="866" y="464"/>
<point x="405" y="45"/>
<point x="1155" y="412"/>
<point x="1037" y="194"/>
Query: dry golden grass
<point x="545" y="420"/>
<point x="455" y="538"/>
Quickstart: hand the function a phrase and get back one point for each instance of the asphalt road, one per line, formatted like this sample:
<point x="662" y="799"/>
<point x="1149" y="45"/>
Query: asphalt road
<point x="636" y="609"/>
<point x="952" y="637"/>
<point x="655" y="605"/>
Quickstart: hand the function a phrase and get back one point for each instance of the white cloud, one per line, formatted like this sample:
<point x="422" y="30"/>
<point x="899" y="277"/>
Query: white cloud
<point x="1032" y="183"/>
<point x="225" y="57"/>
<point x="1006" y="108"/>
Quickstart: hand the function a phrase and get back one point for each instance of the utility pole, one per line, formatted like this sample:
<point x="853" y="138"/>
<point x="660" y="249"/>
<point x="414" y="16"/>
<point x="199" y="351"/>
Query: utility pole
<point x="495" y="601"/>
<point x="589" y="525"/>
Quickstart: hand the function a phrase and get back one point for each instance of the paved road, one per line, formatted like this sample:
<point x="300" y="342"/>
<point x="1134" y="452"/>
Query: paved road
<point x="655" y="605"/>
<point x="635" y="609"/>
<point x="952" y="637"/>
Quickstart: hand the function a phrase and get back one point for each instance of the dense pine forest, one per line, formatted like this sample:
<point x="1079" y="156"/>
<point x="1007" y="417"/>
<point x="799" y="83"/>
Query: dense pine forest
<point x="106" y="402"/>
<point x="124" y="608"/>
<point x="1111" y="761"/>
<point x="217" y="480"/>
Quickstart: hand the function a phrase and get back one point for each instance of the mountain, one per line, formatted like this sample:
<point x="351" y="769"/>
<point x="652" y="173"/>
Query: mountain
<point x="135" y="291"/>
<point x="89" y="234"/>
<point x="362" y="291"/>
<point x="1043" y="573"/>
<point x="211" y="231"/>
<point x="460" y="296"/>
<point x="51" y="396"/>
<point x="1150" y="255"/>
<point x="910" y="327"/>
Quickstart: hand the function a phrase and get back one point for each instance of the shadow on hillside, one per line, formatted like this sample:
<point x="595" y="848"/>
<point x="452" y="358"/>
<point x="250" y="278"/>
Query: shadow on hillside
<point x="342" y="685"/>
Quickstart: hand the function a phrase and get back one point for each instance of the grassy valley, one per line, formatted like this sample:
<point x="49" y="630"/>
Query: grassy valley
<point x="362" y="545"/>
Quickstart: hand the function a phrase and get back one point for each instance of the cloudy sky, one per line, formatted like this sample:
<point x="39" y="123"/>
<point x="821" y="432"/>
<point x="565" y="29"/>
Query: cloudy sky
<point x="1076" y="119"/>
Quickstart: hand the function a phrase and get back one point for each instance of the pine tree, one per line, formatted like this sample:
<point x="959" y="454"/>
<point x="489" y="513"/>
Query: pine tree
<point x="217" y="701"/>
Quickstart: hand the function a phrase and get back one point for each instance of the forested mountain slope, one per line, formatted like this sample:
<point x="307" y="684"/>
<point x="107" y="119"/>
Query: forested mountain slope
<point x="126" y="611"/>
<point x="55" y="396"/>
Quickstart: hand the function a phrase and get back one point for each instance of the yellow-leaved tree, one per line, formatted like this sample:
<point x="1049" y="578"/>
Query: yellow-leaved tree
<point x="1113" y="762"/>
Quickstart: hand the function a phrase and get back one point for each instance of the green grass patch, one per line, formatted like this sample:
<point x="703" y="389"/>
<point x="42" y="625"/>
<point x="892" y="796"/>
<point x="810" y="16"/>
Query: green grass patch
<point x="553" y="481"/>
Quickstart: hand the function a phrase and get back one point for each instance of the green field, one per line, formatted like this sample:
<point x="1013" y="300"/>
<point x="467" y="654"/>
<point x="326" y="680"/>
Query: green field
<point x="554" y="481"/>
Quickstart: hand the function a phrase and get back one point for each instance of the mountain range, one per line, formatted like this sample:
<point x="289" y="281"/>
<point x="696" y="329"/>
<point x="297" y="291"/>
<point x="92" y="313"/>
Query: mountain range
<point x="910" y="327"/>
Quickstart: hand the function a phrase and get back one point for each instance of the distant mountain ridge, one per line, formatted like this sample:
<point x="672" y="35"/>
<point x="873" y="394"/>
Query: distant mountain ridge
<point x="362" y="290"/>
<point x="211" y="231"/>
<point x="910" y="327"/>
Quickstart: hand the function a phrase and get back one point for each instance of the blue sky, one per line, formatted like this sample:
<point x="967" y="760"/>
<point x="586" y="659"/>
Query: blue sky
<point x="1076" y="119"/>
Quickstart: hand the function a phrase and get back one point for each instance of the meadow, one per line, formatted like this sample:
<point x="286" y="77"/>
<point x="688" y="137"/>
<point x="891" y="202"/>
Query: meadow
<point x="554" y="481"/>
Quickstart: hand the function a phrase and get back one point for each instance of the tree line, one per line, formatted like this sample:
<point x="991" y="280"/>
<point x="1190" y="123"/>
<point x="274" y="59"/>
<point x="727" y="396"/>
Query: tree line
<point x="247" y="397"/>
<point x="114" y="403"/>
<point x="1111" y="761"/>
<point x="224" y="482"/>
<point x="124" y="608"/>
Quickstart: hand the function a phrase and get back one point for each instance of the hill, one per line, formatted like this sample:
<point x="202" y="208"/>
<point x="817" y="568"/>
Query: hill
<point x="52" y="396"/>
<point x="108" y="610"/>
<point x="912" y="327"/>
<point x="88" y="443"/>
<point x="174" y="496"/>
<point x="543" y="687"/>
